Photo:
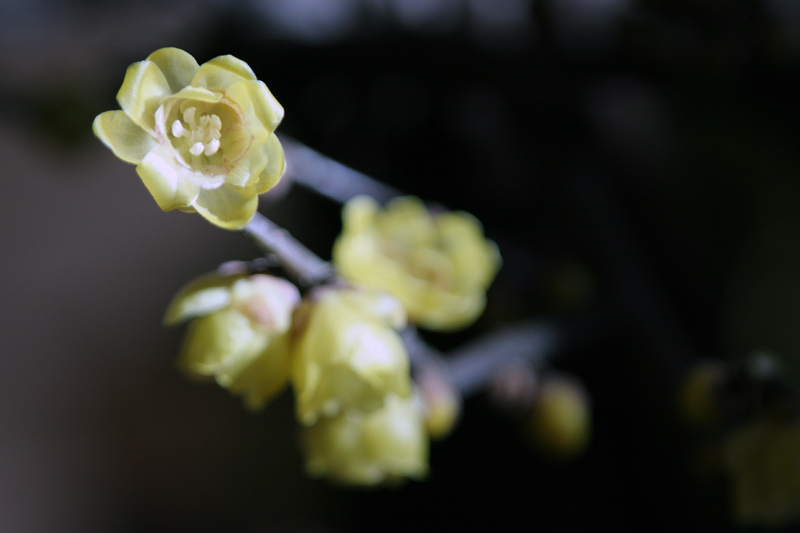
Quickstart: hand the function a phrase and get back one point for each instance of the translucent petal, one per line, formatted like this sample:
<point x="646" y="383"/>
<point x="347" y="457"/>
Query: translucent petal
<point x="177" y="66"/>
<point x="218" y="341"/>
<point x="126" y="139"/>
<point x="142" y="91"/>
<point x="257" y="102"/>
<point x="198" y="93"/>
<point x="200" y="297"/>
<point x="228" y="207"/>
<point x="248" y="168"/>
<point x="264" y="377"/>
<point x="167" y="180"/>
<point x="222" y="72"/>
<point x="276" y="164"/>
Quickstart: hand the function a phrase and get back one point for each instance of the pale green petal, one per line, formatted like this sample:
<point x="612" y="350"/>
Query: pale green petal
<point x="201" y="296"/>
<point x="142" y="91"/>
<point x="359" y="213"/>
<point x="167" y="180"/>
<point x="276" y="164"/>
<point x="228" y="207"/>
<point x="178" y="66"/>
<point x="256" y="101"/>
<point x="248" y="168"/>
<point x="198" y="93"/>
<point x="264" y="377"/>
<point x="222" y="72"/>
<point x="126" y="139"/>
<point x="217" y="341"/>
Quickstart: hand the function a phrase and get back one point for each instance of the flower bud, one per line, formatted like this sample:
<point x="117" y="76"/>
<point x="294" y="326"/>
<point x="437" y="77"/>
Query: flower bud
<point x="441" y="403"/>
<point x="699" y="394"/>
<point x="346" y="354"/>
<point x="358" y="448"/>
<point x="438" y="266"/>
<point x="238" y="332"/>
<point x="560" y="419"/>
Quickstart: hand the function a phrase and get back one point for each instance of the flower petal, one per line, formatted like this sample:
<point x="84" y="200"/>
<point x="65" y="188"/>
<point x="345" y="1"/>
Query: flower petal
<point x="276" y="164"/>
<point x="178" y="66"/>
<point x="142" y="91"/>
<point x="202" y="296"/>
<point x="248" y="168"/>
<point x="166" y="180"/>
<point x="126" y="139"/>
<point x="198" y="93"/>
<point x="228" y="207"/>
<point x="257" y="102"/>
<point x="222" y="72"/>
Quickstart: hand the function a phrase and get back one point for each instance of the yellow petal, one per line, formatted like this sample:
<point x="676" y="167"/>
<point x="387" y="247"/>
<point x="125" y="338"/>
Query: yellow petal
<point x="257" y="102"/>
<point x="126" y="139"/>
<point x="142" y="91"/>
<point x="178" y="66"/>
<point x="198" y="93"/>
<point x="248" y="168"/>
<point x="166" y="179"/>
<point x="222" y="72"/>
<point x="228" y="207"/>
<point x="217" y="341"/>
<point x="201" y="296"/>
<point x="276" y="164"/>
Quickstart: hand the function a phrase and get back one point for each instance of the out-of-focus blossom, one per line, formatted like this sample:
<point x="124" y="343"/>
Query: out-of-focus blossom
<point x="560" y="419"/>
<point x="763" y="460"/>
<point x="202" y="136"/>
<point x="438" y="266"/>
<point x="358" y="448"/>
<point x="238" y="332"/>
<point x="346" y="353"/>
<point x="698" y="398"/>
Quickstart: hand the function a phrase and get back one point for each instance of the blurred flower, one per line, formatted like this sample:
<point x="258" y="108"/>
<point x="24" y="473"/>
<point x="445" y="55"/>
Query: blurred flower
<point x="438" y="266"/>
<point x="202" y="137"/>
<point x="359" y="448"/>
<point x="346" y="354"/>
<point x="560" y="419"/>
<point x="698" y="397"/>
<point x="763" y="460"/>
<point x="238" y="332"/>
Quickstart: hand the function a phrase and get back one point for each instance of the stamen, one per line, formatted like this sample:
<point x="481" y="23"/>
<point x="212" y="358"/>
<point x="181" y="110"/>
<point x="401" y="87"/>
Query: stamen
<point x="197" y="148"/>
<point x="212" y="147"/>
<point x="188" y="117"/>
<point x="178" y="130"/>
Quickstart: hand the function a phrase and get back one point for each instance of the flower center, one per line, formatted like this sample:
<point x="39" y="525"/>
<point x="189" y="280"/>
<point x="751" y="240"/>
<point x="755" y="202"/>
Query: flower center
<point x="202" y="133"/>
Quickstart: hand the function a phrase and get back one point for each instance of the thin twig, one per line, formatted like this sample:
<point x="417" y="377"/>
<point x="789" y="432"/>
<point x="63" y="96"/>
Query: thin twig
<point x="330" y="178"/>
<point x="300" y="262"/>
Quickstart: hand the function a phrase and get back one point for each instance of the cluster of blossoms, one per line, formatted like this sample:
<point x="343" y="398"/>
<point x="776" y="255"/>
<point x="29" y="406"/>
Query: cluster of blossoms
<point x="340" y="350"/>
<point x="202" y="137"/>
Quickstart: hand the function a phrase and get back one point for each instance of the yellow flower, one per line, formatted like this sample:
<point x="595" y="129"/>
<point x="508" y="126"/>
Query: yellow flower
<point x="367" y="449"/>
<point x="238" y="332"/>
<point x="346" y="354"/>
<point x="438" y="266"/>
<point x="560" y="419"/>
<point x="763" y="460"/>
<point x="202" y="137"/>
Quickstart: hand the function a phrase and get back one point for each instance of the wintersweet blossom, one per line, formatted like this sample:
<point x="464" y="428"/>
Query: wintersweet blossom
<point x="238" y="332"/>
<point x="358" y="448"/>
<point x="346" y="353"/>
<point x="202" y="136"/>
<point x="439" y="266"/>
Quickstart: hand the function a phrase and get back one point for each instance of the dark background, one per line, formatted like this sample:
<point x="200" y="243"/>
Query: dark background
<point x="636" y="161"/>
